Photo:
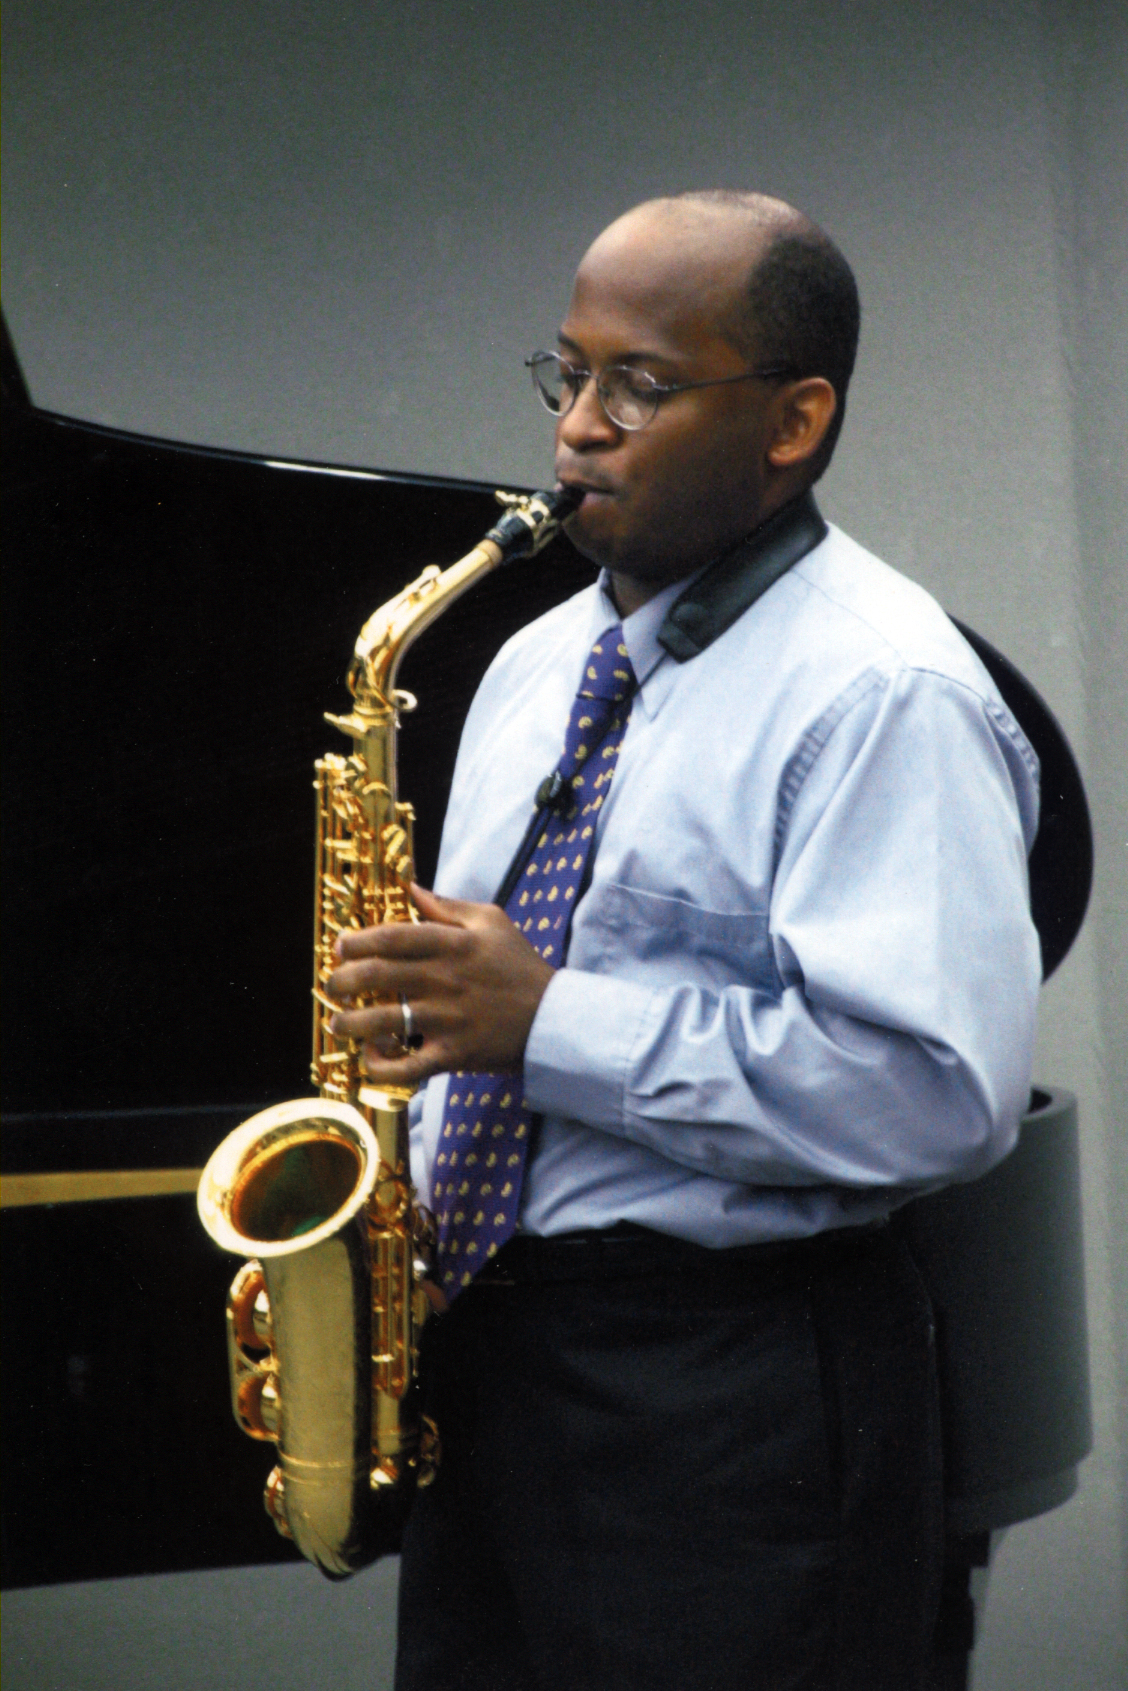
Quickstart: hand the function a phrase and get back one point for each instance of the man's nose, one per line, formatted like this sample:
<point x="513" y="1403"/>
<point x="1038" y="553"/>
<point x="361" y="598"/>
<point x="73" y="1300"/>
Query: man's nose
<point x="586" y="426"/>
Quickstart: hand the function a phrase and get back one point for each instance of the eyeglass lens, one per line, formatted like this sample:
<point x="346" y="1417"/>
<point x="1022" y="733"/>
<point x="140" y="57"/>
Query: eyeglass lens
<point x="629" y="397"/>
<point x="554" y="381"/>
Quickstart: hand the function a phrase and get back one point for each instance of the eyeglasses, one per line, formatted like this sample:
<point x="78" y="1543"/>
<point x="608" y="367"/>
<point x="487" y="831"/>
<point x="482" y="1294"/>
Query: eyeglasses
<point x="630" y="398"/>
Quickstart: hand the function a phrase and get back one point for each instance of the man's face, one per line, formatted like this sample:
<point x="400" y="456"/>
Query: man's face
<point x="654" y="292"/>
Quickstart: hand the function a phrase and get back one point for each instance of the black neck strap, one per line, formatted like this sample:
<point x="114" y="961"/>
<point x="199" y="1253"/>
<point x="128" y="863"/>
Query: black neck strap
<point x="724" y="591"/>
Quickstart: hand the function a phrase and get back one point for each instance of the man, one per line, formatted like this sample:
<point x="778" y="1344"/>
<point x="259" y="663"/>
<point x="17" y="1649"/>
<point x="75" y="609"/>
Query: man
<point x="688" y="1406"/>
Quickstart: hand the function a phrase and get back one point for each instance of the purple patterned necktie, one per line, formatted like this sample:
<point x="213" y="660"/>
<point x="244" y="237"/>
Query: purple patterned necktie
<point x="485" y="1137"/>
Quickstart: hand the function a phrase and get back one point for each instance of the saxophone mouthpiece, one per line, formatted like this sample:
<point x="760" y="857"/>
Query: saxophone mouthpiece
<point x="531" y="520"/>
<point x="565" y="500"/>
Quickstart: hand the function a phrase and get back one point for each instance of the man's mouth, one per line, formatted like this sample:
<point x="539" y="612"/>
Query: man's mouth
<point x="590" y="490"/>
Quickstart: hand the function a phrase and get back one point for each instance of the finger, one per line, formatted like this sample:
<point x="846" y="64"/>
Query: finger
<point x="407" y="1069"/>
<point x="376" y="1023"/>
<point x="447" y="912"/>
<point x="384" y="1024"/>
<point x="380" y="977"/>
<point x="400" y="939"/>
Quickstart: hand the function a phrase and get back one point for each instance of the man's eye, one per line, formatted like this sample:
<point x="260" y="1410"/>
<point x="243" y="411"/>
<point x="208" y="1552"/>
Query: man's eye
<point x="633" y="384"/>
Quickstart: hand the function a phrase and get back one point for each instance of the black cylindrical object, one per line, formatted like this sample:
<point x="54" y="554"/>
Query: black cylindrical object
<point x="1002" y="1259"/>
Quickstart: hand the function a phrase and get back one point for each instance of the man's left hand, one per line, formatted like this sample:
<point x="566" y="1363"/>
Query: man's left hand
<point x="473" y="983"/>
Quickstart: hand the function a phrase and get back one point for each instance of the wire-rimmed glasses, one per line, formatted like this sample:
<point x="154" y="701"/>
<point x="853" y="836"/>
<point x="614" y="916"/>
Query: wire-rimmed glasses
<point x="629" y="397"/>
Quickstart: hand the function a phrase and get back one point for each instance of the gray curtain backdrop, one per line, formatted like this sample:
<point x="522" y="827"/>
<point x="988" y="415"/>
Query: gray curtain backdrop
<point x="333" y="232"/>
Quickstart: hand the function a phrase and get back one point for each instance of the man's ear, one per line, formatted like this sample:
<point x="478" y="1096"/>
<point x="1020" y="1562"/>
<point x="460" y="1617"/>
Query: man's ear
<point x="804" y="412"/>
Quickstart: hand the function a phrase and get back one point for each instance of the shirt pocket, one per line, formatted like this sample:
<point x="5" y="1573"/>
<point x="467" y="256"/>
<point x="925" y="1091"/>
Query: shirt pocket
<point x="678" y="940"/>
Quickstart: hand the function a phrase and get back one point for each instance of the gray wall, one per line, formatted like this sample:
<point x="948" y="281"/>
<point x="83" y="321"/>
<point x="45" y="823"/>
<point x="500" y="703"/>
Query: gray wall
<point x="333" y="232"/>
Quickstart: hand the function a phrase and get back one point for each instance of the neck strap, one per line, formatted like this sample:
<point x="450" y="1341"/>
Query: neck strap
<point x="713" y="602"/>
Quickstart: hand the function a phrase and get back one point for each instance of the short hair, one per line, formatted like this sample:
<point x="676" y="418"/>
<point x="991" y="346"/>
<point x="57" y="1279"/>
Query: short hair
<point x="800" y="307"/>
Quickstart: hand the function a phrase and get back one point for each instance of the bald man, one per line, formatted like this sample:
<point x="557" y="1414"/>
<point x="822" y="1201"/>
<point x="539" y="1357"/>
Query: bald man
<point x="686" y="1391"/>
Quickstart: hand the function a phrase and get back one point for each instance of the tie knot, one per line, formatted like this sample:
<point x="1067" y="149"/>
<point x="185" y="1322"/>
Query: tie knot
<point x="608" y="673"/>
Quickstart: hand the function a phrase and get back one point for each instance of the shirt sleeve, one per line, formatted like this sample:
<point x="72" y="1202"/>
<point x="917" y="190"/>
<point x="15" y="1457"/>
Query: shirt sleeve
<point x="897" y="1049"/>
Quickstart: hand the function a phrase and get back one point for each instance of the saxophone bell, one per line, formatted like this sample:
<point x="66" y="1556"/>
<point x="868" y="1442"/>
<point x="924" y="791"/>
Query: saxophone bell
<point x="317" y="1327"/>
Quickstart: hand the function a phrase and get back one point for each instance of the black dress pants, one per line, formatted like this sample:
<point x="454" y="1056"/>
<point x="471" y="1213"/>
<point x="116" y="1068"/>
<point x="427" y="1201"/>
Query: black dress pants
<point x="670" y="1469"/>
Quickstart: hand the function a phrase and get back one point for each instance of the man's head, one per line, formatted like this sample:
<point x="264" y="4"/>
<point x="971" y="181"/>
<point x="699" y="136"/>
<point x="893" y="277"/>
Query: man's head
<point x="700" y="290"/>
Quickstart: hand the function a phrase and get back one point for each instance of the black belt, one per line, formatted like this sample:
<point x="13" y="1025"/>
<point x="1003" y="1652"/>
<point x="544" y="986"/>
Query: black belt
<point x="627" y="1252"/>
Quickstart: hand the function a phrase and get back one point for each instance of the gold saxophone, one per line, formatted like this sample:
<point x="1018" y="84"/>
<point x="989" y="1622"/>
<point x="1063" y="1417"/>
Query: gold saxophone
<point x="323" y="1323"/>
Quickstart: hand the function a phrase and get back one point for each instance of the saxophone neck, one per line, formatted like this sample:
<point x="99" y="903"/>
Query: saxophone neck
<point x="528" y="523"/>
<point x="392" y="629"/>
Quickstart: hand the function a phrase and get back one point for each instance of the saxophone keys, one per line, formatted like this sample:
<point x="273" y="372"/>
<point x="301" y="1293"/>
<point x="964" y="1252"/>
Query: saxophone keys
<point x="258" y="1408"/>
<point x="388" y="1471"/>
<point x="274" y="1501"/>
<point x="250" y="1308"/>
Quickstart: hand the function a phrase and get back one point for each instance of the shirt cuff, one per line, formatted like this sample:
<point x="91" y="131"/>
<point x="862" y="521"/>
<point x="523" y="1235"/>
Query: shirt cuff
<point x="577" y="1058"/>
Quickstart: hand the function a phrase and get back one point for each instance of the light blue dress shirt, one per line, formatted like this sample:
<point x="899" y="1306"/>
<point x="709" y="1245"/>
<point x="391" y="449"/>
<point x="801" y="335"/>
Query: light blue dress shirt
<point x="801" y="985"/>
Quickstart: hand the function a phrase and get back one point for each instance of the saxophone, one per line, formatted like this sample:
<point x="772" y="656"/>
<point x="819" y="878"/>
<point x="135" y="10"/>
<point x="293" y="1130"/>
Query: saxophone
<point x="323" y="1322"/>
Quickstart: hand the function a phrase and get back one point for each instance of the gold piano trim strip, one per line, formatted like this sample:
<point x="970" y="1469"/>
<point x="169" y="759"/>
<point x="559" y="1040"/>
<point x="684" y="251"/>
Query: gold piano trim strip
<point x="18" y="1191"/>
